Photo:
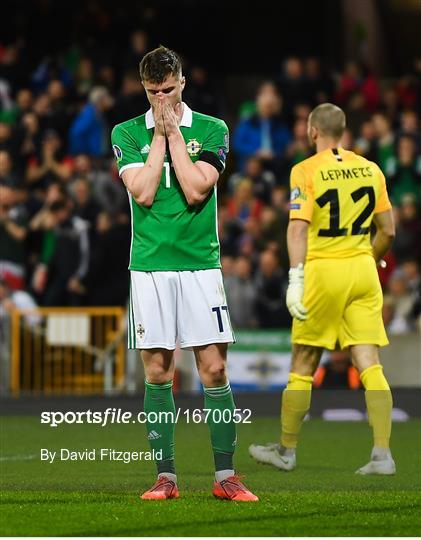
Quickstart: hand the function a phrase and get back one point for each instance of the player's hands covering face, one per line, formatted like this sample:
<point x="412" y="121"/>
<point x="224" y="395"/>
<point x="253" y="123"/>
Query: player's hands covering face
<point x="172" y="117"/>
<point x="158" y="114"/>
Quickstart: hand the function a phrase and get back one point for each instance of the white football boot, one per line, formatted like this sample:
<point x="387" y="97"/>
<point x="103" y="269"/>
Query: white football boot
<point x="274" y="454"/>
<point x="381" y="462"/>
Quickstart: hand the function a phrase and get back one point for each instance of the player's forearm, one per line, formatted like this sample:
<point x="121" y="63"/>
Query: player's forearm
<point x="144" y="184"/>
<point x="385" y="233"/>
<point x="381" y="244"/>
<point x="17" y="232"/>
<point x="61" y="170"/>
<point x="297" y="235"/>
<point x="193" y="182"/>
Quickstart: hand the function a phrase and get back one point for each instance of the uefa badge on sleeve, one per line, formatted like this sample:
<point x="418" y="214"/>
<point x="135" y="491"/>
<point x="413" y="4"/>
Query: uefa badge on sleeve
<point x="117" y="152"/>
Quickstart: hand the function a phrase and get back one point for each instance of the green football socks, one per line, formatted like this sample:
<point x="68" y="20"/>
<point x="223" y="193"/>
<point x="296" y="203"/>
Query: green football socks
<point x="159" y="399"/>
<point x="220" y="403"/>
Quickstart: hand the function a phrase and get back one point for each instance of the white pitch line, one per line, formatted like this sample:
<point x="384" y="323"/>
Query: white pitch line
<point x="18" y="457"/>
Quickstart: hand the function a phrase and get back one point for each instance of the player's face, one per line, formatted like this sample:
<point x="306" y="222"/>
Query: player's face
<point x="170" y="90"/>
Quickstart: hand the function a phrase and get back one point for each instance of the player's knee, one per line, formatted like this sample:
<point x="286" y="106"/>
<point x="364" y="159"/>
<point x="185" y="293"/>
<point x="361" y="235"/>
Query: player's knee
<point x="157" y="374"/>
<point x="305" y="360"/>
<point x="214" y="374"/>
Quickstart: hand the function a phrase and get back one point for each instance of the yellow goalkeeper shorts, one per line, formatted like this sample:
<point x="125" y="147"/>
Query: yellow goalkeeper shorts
<point x="344" y="302"/>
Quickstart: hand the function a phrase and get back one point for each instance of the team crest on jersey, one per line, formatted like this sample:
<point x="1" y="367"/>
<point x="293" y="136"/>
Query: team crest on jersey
<point x="117" y="152"/>
<point x="193" y="147"/>
<point x="140" y="331"/>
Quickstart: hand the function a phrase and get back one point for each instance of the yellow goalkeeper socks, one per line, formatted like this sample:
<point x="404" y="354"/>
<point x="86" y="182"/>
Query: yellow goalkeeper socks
<point x="295" y="405"/>
<point x="378" y="398"/>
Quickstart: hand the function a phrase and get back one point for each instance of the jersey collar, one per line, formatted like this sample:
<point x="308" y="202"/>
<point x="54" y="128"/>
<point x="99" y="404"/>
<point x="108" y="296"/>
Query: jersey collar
<point x="186" y="119"/>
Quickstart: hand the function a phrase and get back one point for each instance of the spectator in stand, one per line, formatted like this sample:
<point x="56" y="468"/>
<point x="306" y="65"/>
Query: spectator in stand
<point x="405" y="171"/>
<point x="264" y="134"/>
<point x="229" y="232"/>
<point x="24" y="103"/>
<point x="410" y="127"/>
<point x="51" y="165"/>
<point x="299" y="148"/>
<point x="243" y="204"/>
<point x="7" y="174"/>
<point x="411" y="271"/>
<point x="58" y="278"/>
<point x="42" y="108"/>
<point x="107" y="78"/>
<point x="365" y="145"/>
<point x="60" y="118"/>
<point x="408" y="230"/>
<point x="280" y="204"/>
<point x="347" y="141"/>
<point x="293" y="86"/>
<point x="105" y="185"/>
<point x="107" y="281"/>
<point x="51" y="67"/>
<point x="263" y="181"/>
<point x="390" y="105"/>
<point x="13" y="231"/>
<point x="302" y="111"/>
<point x="136" y="51"/>
<point x="406" y="90"/>
<point x="85" y="206"/>
<point x="9" y="141"/>
<point x="271" y="229"/>
<point x="337" y="372"/>
<point x="371" y="91"/>
<point x="399" y="304"/>
<point x="356" y="79"/>
<point x="84" y="78"/>
<point x="12" y="70"/>
<point x="385" y="141"/>
<point x="31" y="139"/>
<point x="241" y="294"/>
<point x="132" y="100"/>
<point x="356" y="114"/>
<point x="11" y="299"/>
<point x="227" y="267"/>
<point x="89" y="130"/>
<point x="270" y="284"/>
<point x="349" y="82"/>
<point x="318" y="85"/>
<point x="200" y="94"/>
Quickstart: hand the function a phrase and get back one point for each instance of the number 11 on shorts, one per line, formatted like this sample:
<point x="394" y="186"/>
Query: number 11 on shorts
<point x="217" y="310"/>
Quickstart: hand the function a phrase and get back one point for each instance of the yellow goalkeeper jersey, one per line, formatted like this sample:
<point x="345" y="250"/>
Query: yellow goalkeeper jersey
<point x="338" y="193"/>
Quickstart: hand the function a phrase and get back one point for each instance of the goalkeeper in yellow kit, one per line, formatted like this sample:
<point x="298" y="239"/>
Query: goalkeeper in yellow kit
<point x="334" y="293"/>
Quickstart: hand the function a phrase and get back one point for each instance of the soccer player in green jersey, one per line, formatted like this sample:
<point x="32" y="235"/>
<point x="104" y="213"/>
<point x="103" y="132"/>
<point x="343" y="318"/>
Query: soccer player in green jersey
<point x="170" y="160"/>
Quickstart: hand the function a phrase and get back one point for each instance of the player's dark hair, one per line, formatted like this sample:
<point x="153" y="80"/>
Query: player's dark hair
<point x="158" y="64"/>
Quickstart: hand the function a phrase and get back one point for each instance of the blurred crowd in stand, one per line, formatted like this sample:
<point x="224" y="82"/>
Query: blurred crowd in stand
<point x="64" y="213"/>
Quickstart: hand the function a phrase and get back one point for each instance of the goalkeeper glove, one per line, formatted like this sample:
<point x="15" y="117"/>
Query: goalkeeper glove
<point x="295" y="293"/>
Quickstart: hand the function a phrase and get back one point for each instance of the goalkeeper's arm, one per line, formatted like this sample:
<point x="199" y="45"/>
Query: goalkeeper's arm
<point x="385" y="233"/>
<point x="297" y="249"/>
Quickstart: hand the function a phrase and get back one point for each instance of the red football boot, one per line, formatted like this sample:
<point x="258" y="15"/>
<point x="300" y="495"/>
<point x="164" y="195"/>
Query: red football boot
<point x="231" y="488"/>
<point x="164" y="488"/>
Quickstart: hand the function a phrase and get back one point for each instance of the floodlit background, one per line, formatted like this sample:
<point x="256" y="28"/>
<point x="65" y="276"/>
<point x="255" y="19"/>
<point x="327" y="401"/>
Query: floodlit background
<point x="69" y="73"/>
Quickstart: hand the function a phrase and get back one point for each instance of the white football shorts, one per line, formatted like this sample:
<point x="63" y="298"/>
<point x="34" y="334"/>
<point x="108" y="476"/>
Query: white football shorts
<point x="188" y="307"/>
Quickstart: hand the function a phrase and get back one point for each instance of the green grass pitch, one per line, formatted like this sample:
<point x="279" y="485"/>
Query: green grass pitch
<point x="322" y="497"/>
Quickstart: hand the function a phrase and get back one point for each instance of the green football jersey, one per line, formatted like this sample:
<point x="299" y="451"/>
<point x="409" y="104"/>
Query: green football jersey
<point x="171" y="235"/>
